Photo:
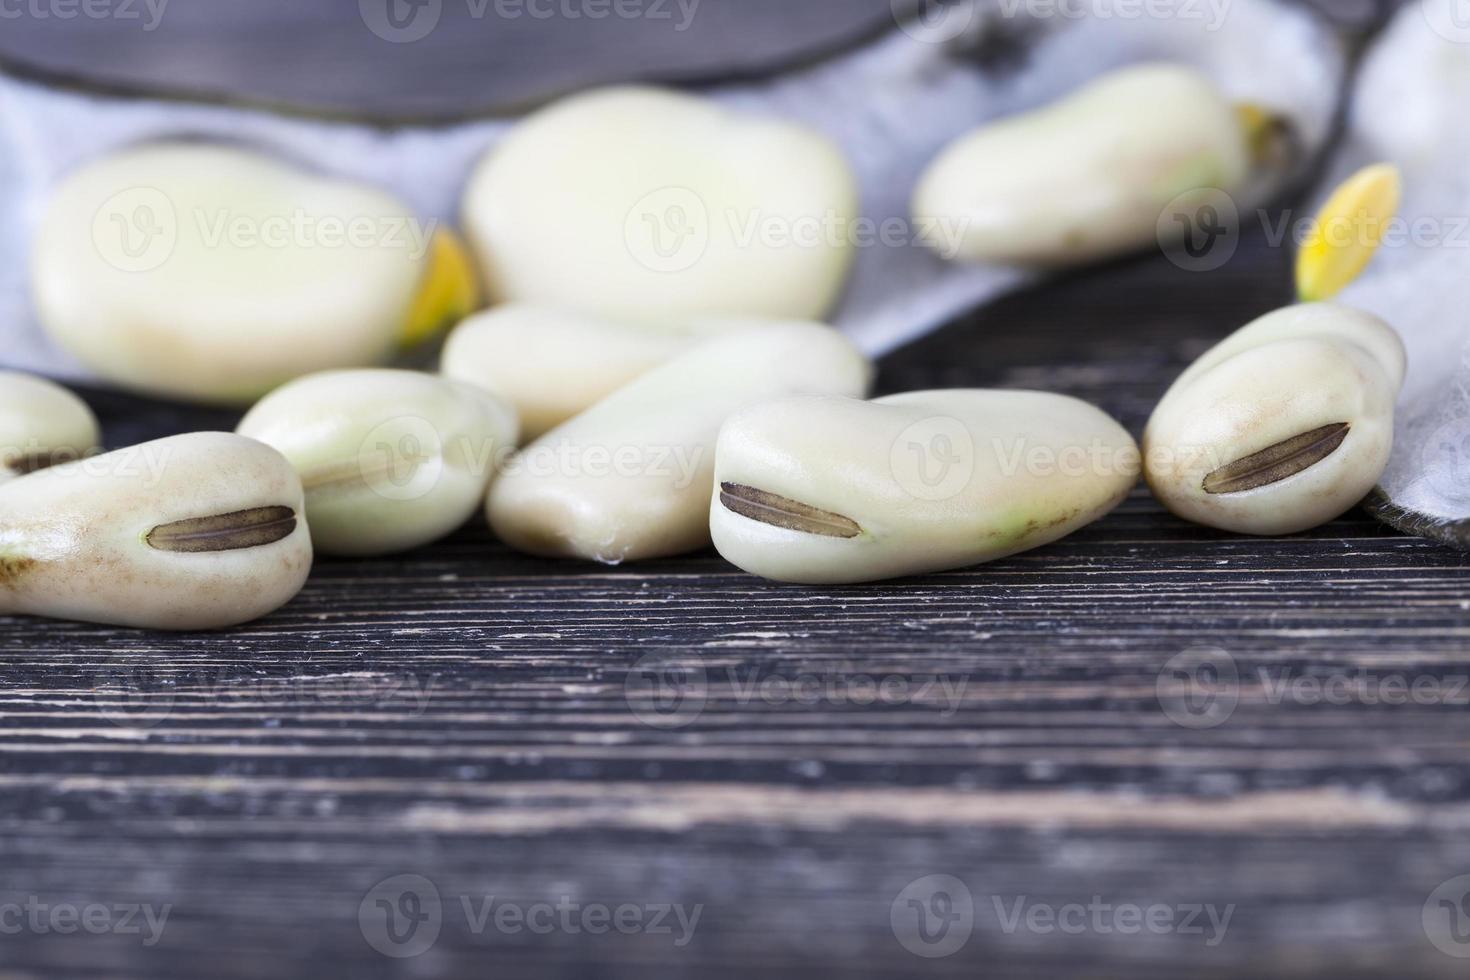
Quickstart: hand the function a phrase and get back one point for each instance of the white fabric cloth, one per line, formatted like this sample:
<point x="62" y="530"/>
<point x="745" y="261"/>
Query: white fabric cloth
<point x="1409" y="108"/>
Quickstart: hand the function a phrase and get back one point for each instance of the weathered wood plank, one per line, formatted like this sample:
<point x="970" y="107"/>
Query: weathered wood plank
<point x="463" y="713"/>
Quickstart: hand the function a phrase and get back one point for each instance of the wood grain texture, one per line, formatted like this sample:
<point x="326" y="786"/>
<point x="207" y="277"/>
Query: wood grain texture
<point x="485" y="720"/>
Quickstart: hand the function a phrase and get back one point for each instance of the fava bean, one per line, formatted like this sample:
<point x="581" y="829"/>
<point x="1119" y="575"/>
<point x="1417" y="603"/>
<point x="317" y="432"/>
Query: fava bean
<point x="630" y="478"/>
<point x="390" y="460"/>
<point x="192" y="532"/>
<point x="41" y="424"/>
<point x="1282" y="426"/>
<point x="1091" y="175"/>
<point x="834" y="490"/>
<point x="214" y="274"/>
<point x="551" y="364"/>
<point x="648" y="205"/>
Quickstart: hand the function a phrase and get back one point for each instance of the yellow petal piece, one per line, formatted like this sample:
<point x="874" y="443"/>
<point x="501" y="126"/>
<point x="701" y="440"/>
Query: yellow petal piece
<point x="1347" y="232"/>
<point x="448" y="294"/>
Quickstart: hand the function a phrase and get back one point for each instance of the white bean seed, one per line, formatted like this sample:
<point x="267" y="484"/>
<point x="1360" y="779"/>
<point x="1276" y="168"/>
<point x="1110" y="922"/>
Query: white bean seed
<point x="196" y="531"/>
<point x="647" y="205"/>
<point x="1282" y="426"/>
<point x="1089" y="176"/>
<point x="41" y="424"/>
<point x="630" y="478"/>
<point x="390" y="459"/>
<point x="214" y="274"/>
<point x="551" y="364"/>
<point x="834" y="490"/>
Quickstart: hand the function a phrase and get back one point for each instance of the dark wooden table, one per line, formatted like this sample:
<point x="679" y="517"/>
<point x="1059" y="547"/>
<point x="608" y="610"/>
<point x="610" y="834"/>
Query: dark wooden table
<point x="493" y="724"/>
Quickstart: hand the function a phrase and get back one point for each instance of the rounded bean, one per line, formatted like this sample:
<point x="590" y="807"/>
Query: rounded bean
<point x="214" y="274"/>
<point x="1089" y="176"/>
<point x="647" y="205"/>
<point x="390" y="460"/>
<point x="41" y="424"/>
